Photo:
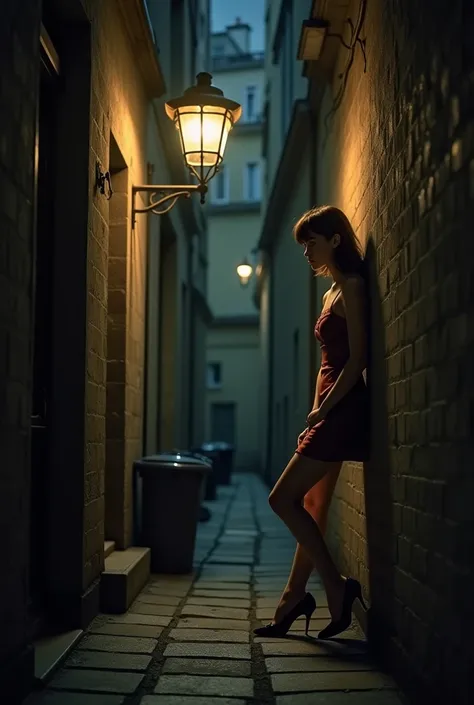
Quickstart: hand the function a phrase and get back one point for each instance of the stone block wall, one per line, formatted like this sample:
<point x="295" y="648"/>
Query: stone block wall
<point x="117" y="271"/>
<point x="401" y="154"/>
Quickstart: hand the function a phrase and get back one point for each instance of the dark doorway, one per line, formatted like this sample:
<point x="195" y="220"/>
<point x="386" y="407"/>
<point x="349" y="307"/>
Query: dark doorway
<point x="223" y="422"/>
<point x="43" y="317"/>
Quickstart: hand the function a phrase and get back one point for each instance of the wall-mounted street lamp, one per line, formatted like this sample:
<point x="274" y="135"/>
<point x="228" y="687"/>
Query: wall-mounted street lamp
<point x="313" y="34"/>
<point x="245" y="269"/>
<point x="315" y="30"/>
<point x="203" y="118"/>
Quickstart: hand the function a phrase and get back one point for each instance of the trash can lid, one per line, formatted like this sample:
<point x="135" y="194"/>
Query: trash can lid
<point x="175" y="460"/>
<point x="217" y="445"/>
<point x="190" y="454"/>
<point x="208" y="446"/>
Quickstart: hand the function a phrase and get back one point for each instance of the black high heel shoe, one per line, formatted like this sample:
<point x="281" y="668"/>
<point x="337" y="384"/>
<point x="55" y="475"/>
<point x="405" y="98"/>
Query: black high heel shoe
<point x="352" y="591"/>
<point x="306" y="607"/>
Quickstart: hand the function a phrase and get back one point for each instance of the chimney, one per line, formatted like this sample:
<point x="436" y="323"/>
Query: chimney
<point x="240" y="34"/>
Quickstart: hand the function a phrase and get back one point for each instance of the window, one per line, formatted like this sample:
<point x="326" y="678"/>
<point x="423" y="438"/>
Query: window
<point x="214" y="375"/>
<point x="220" y="186"/>
<point x="252" y="181"/>
<point x="250" y="104"/>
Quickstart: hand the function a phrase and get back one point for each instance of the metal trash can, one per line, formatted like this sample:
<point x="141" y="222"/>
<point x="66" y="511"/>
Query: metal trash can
<point x="209" y="491"/>
<point x="224" y="459"/>
<point x="170" y="504"/>
<point x="212" y="457"/>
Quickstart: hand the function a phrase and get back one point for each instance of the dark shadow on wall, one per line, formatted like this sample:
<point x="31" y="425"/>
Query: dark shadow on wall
<point x="379" y="505"/>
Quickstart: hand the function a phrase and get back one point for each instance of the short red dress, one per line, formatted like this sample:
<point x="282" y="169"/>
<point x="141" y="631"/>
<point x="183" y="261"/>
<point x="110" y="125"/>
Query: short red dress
<point x="344" y="433"/>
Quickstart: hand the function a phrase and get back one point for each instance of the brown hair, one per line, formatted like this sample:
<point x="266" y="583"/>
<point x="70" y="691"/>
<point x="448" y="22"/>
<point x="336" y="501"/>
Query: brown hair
<point x="327" y="221"/>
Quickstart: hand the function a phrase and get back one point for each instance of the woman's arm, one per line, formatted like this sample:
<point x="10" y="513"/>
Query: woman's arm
<point x="353" y="295"/>
<point x="316" y="393"/>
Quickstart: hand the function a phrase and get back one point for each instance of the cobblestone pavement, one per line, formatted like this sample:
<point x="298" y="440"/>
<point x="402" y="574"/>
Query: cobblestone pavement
<point x="188" y="640"/>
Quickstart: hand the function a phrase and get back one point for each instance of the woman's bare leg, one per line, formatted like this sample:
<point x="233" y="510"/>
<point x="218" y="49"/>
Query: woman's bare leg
<point x="286" y="500"/>
<point x="316" y="502"/>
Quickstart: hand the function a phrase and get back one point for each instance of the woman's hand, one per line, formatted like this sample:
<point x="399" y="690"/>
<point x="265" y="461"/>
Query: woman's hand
<point x="302" y="435"/>
<point x="315" y="416"/>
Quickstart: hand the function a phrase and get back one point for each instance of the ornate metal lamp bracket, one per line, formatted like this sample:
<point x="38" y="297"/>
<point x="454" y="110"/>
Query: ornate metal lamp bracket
<point x="169" y="196"/>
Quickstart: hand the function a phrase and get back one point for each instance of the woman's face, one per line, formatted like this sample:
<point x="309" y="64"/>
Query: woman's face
<point x="318" y="251"/>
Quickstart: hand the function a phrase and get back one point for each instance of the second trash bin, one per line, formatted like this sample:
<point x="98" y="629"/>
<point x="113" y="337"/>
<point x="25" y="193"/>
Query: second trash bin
<point x="223" y="464"/>
<point x="171" y="495"/>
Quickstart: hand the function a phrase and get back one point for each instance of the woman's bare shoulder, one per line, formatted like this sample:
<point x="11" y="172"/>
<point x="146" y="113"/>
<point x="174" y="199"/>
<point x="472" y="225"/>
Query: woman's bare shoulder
<point x="354" y="285"/>
<point x="325" y="295"/>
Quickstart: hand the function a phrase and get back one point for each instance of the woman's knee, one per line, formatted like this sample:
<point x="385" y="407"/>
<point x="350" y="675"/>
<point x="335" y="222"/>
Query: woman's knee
<point x="314" y="506"/>
<point x="279" y="501"/>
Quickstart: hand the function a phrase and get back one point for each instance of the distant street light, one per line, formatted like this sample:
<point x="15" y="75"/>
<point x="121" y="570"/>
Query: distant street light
<point x="203" y="118"/>
<point x="244" y="271"/>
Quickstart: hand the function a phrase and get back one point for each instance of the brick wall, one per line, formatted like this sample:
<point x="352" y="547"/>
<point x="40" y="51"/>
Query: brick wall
<point x="19" y="31"/>
<point x="116" y="296"/>
<point x="402" y="167"/>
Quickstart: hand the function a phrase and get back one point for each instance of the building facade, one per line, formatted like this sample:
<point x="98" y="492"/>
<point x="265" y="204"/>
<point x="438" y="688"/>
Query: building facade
<point x="380" y="125"/>
<point x="91" y="362"/>
<point x="234" y="221"/>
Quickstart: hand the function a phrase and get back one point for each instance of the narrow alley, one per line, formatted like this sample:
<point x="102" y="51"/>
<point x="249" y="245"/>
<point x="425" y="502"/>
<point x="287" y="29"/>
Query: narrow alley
<point x="188" y="640"/>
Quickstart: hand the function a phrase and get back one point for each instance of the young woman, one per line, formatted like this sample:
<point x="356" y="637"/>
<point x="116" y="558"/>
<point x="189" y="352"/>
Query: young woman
<point x="337" y="427"/>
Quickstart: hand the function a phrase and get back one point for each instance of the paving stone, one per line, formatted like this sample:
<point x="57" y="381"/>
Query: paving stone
<point x="155" y="599"/>
<point x="119" y="629"/>
<point x="203" y="650"/>
<point x="225" y="571"/>
<point x="188" y="700"/>
<point x="214" y="612"/>
<point x="205" y="685"/>
<point x="51" y="697"/>
<point x="222" y="594"/>
<point x="166" y="579"/>
<point x="125" y="645"/>
<point x="207" y="667"/>
<point x="236" y="560"/>
<point x="104" y="681"/>
<point x="298" y="628"/>
<point x="224" y="578"/>
<point x="233" y="552"/>
<point x="105" y="660"/>
<point x="266" y="613"/>
<point x="347" y="680"/>
<point x="270" y="602"/>
<point x="204" y="623"/>
<point x="216" y="585"/>
<point x="145" y="608"/>
<point x="218" y="602"/>
<point x="386" y="697"/>
<point x="167" y="591"/>
<point x="296" y="664"/>
<point x="137" y="618"/>
<point x="230" y="635"/>
<point x="311" y="647"/>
